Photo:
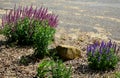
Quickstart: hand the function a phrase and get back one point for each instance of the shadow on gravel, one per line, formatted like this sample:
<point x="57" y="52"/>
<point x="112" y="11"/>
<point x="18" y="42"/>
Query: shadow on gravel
<point x="1" y="44"/>
<point x="29" y="59"/>
<point x="84" y="69"/>
<point x="33" y="58"/>
<point x="55" y="56"/>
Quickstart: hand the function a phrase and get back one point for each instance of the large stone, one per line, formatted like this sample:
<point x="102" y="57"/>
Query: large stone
<point x="68" y="52"/>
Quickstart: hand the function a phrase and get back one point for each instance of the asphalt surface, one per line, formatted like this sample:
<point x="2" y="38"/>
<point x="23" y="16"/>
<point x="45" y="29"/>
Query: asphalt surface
<point x="86" y="15"/>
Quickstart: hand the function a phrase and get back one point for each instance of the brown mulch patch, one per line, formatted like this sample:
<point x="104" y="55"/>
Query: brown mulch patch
<point x="10" y="66"/>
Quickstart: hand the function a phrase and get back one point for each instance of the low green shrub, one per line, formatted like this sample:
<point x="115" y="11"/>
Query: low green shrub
<point x="117" y="75"/>
<point x="21" y="33"/>
<point x="43" y="36"/>
<point x="44" y="68"/>
<point x="60" y="71"/>
<point x="19" y="24"/>
<point x="53" y="69"/>
<point x="30" y="26"/>
<point x="102" y="56"/>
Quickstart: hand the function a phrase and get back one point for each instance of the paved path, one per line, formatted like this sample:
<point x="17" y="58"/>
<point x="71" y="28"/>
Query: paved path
<point x="86" y="15"/>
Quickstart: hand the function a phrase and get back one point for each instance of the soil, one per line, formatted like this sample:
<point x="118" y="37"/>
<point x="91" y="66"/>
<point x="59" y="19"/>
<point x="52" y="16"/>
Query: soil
<point x="10" y="66"/>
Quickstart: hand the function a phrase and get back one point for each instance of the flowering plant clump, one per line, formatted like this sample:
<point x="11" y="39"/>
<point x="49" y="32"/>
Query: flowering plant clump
<point x="19" y="24"/>
<point x="102" y="56"/>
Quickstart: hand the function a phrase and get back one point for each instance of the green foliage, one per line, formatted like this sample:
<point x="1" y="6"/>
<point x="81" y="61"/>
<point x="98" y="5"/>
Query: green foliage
<point x="29" y="26"/>
<point x="21" y="33"/>
<point x="60" y="71"/>
<point x="117" y="75"/>
<point x="43" y="36"/>
<point x="44" y="68"/>
<point x="19" y="24"/>
<point x="102" y="57"/>
<point x="102" y="62"/>
<point x="53" y="69"/>
<point x="27" y="31"/>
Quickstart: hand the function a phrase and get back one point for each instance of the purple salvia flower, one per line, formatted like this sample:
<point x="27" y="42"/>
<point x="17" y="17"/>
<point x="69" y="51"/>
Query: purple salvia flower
<point x="94" y="46"/>
<point x="51" y="19"/>
<point x="104" y="50"/>
<point x="55" y="21"/>
<point x="17" y="14"/>
<point x="20" y="10"/>
<point x="45" y="13"/>
<point x="100" y="50"/>
<point x="96" y="43"/>
<point x="102" y="44"/>
<point x="37" y="14"/>
<point x="48" y="16"/>
<point x="34" y="12"/>
<point x="12" y="19"/>
<point x="88" y="49"/>
<point x="108" y="50"/>
<point x="26" y="10"/>
<point x="30" y="11"/>
<point x="104" y="47"/>
<point x="109" y="44"/>
<point x="9" y="16"/>
<point x="92" y="50"/>
<point x="42" y="15"/>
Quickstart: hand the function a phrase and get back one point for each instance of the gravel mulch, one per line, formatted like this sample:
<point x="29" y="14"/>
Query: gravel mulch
<point x="10" y="66"/>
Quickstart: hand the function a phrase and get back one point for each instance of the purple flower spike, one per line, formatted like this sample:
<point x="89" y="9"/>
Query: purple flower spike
<point x="100" y="50"/>
<point x="108" y="50"/>
<point x="102" y="44"/>
<point x="93" y="51"/>
<point x="109" y="44"/>
<point x="40" y="14"/>
<point x="88" y="49"/>
<point x="96" y="43"/>
<point x="102" y="56"/>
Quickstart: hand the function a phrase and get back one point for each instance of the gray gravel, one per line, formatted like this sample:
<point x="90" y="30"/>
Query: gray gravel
<point x="79" y="14"/>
